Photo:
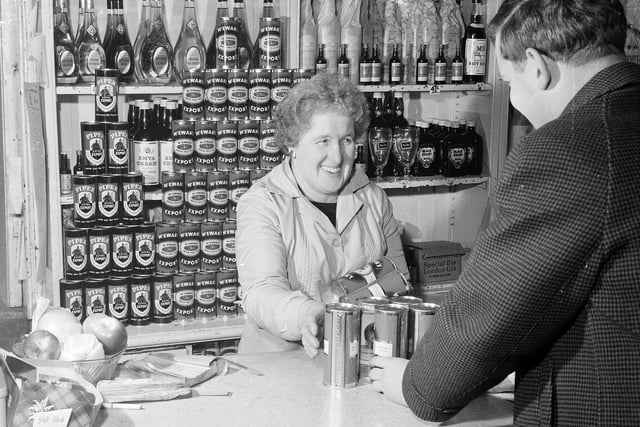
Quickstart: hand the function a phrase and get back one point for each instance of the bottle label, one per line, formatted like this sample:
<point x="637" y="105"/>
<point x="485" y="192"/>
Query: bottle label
<point x="343" y="70"/>
<point x="457" y="157"/>
<point x="193" y="59"/>
<point x="94" y="61"/>
<point x="66" y="62"/>
<point x="441" y="72"/>
<point x="63" y="28"/>
<point x="146" y="160"/>
<point x="160" y="61"/>
<point x="91" y="30"/>
<point x="365" y="72"/>
<point x="65" y="184"/>
<point x="376" y="72"/>
<point x="475" y="57"/>
<point x="120" y="29"/>
<point x="423" y="72"/>
<point x="456" y="72"/>
<point x="426" y="156"/>
<point x="396" y="72"/>
<point x="320" y="68"/>
<point x="191" y="25"/>
<point x="123" y="61"/>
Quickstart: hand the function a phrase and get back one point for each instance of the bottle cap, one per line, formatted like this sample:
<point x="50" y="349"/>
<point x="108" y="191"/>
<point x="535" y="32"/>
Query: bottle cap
<point x="471" y="123"/>
<point x="397" y="94"/>
<point x="377" y="95"/>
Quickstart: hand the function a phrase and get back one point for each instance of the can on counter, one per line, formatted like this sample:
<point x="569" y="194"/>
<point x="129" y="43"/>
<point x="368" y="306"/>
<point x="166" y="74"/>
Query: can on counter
<point x="269" y="154"/>
<point x="215" y="94"/>
<point x="184" y="297"/>
<point x="95" y="297"/>
<point x="259" y="94"/>
<point x="226" y="293"/>
<point x="108" y="199"/>
<point x="144" y="237"/>
<point x="122" y="251"/>
<point x="140" y="299"/>
<point x="118" y="299"/>
<point x="238" y="94"/>
<point x="248" y="144"/>
<point x="217" y="196"/>
<point x="269" y="43"/>
<point x="183" y="133"/>
<point x="390" y="326"/>
<point x="84" y="201"/>
<point x="162" y="297"/>
<point x="367" y="331"/>
<point x="193" y="94"/>
<point x="99" y="253"/>
<point x="94" y="157"/>
<point x="281" y="83"/>
<point x="211" y="246"/>
<point x="229" y="245"/>
<point x="106" y="81"/>
<point x="406" y="300"/>
<point x="341" y="345"/>
<point x="227" y="146"/>
<point x="117" y="134"/>
<point x="172" y="197"/>
<point x="132" y="199"/>
<point x="301" y="74"/>
<point x="189" y="247"/>
<point x="421" y="317"/>
<point x="72" y="297"/>
<point x="205" y="295"/>
<point x="166" y="248"/>
<point x="195" y="197"/>
<point x="239" y="182"/>
<point x="76" y="251"/>
<point x="206" y="133"/>
<point x="226" y="42"/>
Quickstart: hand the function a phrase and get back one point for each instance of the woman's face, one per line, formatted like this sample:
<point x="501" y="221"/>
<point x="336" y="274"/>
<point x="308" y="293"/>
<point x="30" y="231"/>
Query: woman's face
<point x="324" y="156"/>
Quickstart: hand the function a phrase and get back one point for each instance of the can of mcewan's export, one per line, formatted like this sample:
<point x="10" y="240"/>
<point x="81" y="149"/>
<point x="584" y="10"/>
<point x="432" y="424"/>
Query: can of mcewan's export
<point x="162" y="297"/>
<point x="122" y="251"/>
<point x="172" y="197"/>
<point x="189" y="247"/>
<point x="269" y="43"/>
<point x="75" y="254"/>
<point x="166" y="248"/>
<point x="99" y="253"/>
<point x="72" y="297"/>
<point x="421" y="317"/>
<point x="106" y="94"/>
<point x="95" y="297"/>
<point x="341" y="345"/>
<point x="217" y="196"/>
<point x="255" y="175"/>
<point x="269" y="154"/>
<point x="184" y="297"/>
<point x="108" y="199"/>
<point x="239" y="182"/>
<point x="93" y="148"/>
<point x="132" y="199"/>
<point x="216" y="94"/>
<point x="227" y="145"/>
<point x="238" y="94"/>
<point x="193" y="94"/>
<point x="229" y="245"/>
<point x="226" y="42"/>
<point x="144" y="249"/>
<point x="118" y="299"/>
<point x="248" y="144"/>
<point x="195" y="204"/>
<point x="281" y="82"/>
<point x="183" y="145"/>
<point x="367" y="331"/>
<point x="84" y="201"/>
<point x="211" y="245"/>
<point x="205" y="288"/>
<point x="140" y="294"/>
<point x="301" y="74"/>
<point x="390" y="327"/>
<point x="117" y="147"/>
<point x="204" y="150"/>
<point x="226" y="293"/>
<point x="259" y="94"/>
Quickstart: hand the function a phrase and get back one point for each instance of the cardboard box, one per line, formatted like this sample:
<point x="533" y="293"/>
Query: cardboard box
<point x="438" y="261"/>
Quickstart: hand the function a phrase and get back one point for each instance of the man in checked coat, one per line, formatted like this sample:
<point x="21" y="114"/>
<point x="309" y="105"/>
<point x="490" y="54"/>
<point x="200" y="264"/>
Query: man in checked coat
<point x="552" y="287"/>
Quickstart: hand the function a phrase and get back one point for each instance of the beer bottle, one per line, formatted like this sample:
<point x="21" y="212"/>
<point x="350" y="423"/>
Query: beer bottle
<point x="376" y="67"/>
<point x="475" y="47"/>
<point x="475" y="147"/>
<point x="245" y="48"/>
<point x="440" y="76"/>
<point x="267" y="9"/>
<point x="65" y="48"/>
<point x="365" y="66"/>
<point x="65" y="175"/>
<point x="395" y="67"/>
<point x="189" y="53"/>
<point x="117" y="45"/>
<point x="343" y="63"/>
<point x="422" y="66"/>
<point x="321" y="62"/>
<point x="454" y="148"/>
<point x="145" y="147"/>
<point x="428" y="157"/>
<point x="78" y="168"/>
<point x="387" y="111"/>
<point x="360" y="163"/>
<point x="457" y="67"/>
<point x="398" y="119"/>
<point x="377" y="119"/>
<point x="222" y="50"/>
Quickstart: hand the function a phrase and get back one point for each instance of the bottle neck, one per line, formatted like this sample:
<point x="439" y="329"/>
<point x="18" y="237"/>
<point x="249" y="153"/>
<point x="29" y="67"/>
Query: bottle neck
<point x="189" y="13"/>
<point x="222" y="9"/>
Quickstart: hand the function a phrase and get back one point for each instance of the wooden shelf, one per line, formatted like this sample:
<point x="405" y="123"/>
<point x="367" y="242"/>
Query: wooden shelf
<point x="428" y="181"/>
<point x="434" y="89"/>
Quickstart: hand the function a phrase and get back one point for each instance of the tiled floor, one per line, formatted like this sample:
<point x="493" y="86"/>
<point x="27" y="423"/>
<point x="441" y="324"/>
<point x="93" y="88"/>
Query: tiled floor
<point x="13" y="323"/>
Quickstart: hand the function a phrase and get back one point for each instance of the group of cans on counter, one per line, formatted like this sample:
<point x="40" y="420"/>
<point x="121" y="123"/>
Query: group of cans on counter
<point x="354" y="333"/>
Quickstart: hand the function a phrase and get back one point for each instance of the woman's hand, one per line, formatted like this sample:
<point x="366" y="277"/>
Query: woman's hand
<point x="386" y="377"/>
<point x="310" y="326"/>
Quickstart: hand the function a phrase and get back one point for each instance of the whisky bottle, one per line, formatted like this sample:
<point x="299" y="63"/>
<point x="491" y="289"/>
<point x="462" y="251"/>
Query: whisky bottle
<point x="422" y="66"/>
<point x="365" y="66"/>
<point x="189" y="53"/>
<point x="395" y="67"/>
<point x="321" y="62"/>
<point x="66" y="59"/>
<point x="245" y="49"/>
<point x="343" y="63"/>
<point x="91" y="54"/>
<point x="457" y="67"/>
<point x="78" y="168"/>
<point x="117" y="45"/>
<point x="376" y="67"/>
<point x="65" y="175"/>
<point x="156" y="52"/>
<point x="440" y="72"/>
<point x="475" y="47"/>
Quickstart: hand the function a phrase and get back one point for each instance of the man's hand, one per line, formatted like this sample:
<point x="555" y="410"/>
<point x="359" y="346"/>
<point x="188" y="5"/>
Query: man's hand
<point x="310" y="326"/>
<point x="386" y="377"/>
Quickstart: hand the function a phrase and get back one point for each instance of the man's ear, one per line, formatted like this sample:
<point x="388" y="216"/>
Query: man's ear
<point x="538" y="69"/>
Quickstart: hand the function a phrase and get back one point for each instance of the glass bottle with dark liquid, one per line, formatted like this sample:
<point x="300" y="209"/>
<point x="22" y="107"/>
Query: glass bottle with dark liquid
<point x="422" y="66"/>
<point x="321" y="62"/>
<point x="66" y="59"/>
<point x="245" y="49"/>
<point x="365" y="66"/>
<point x="343" y="62"/>
<point x="395" y="67"/>
<point x="376" y="67"/>
<point x="475" y="47"/>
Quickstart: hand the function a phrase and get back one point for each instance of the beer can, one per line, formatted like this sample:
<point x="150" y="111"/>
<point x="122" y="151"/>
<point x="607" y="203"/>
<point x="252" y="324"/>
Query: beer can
<point x="95" y="297"/>
<point x="166" y="248"/>
<point x="162" y="297"/>
<point x="259" y="94"/>
<point x="118" y="299"/>
<point x="269" y="154"/>
<point x="172" y="197"/>
<point x="193" y="94"/>
<point x="341" y="345"/>
<point x="367" y="331"/>
<point x="99" y="253"/>
<point x="93" y="148"/>
<point x="122" y="251"/>
<point x="132" y="199"/>
<point x="255" y="175"/>
<point x="300" y="75"/>
<point x="215" y="94"/>
<point x="188" y="247"/>
<point x="184" y="297"/>
<point x="84" y="201"/>
<point x="248" y="144"/>
<point x="226" y="42"/>
<point x="281" y="83"/>
<point x="406" y="300"/>
<point x="269" y="43"/>
<point x="76" y="256"/>
<point x="72" y="297"/>
<point x="226" y="293"/>
<point x="238" y="94"/>
<point x="144" y="237"/>
<point x="205" y="295"/>
<point x="108" y="200"/>
<point x="217" y="196"/>
<point x="421" y="317"/>
<point x="211" y="246"/>
<point x="229" y="245"/>
<point x="117" y="147"/>
<point x="183" y="133"/>
<point x="239" y="182"/>
<point x="195" y="197"/>
<point x="227" y="146"/>
<point x="165" y="154"/>
<point x="204" y="149"/>
<point x="390" y="327"/>
<point x="140" y="300"/>
<point x="106" y="81"/>
<point x="146" y="160"/>
<point x="379" y="278"/>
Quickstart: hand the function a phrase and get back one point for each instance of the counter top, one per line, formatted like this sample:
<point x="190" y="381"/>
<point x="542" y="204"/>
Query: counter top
<point x="291" y="393"/>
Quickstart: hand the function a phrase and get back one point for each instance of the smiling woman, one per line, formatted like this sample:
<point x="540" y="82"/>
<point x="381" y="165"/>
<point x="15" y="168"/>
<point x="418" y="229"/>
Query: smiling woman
<point x="311" y="219"/>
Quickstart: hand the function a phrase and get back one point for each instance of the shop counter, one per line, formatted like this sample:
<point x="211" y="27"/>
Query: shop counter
<point x="291" y="393"/>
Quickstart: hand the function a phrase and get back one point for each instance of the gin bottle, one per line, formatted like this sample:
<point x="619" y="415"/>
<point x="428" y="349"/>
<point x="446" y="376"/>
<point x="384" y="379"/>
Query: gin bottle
<point x="65" y="49"/>
<point x="91" y="54"/>
<point x="245" y="48"/>
<point x="143" y="29"/>
<point x="117" y="44"/>
<point x="190" y="53"/>
<point x="156" y="52"/>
